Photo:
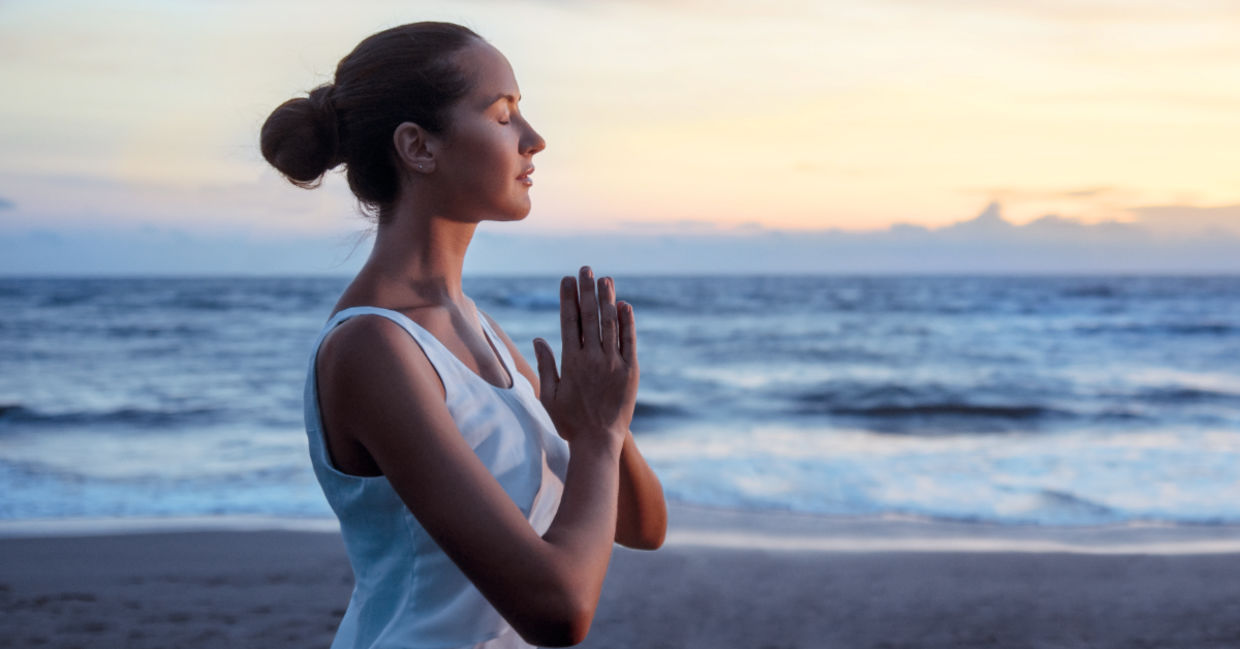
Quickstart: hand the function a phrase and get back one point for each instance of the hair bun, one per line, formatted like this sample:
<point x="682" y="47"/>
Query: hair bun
<point x="300" y="138"/>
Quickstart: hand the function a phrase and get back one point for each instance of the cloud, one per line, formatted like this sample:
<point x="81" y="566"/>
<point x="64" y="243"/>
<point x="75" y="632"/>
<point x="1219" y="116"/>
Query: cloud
<point x="1008" y="194"/>
<point x="985" y="244"/>
<point x="6" y="204"/>
<point x="1166" y="225"/>
<point x="1224" y="219"/>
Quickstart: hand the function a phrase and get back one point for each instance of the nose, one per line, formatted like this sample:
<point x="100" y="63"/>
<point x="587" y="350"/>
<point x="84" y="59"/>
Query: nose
<point x="531" y="141"/>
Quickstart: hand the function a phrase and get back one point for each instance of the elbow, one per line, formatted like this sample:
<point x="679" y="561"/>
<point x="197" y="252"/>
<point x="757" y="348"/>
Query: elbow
<point x="565" y="629"/>
<point x="650" y="537"/>
<point x="566" y="632"/>
<point x="564" y="622"/>
<point x="648" y="534"/>
<point x="654" y="532"/>
<point x="654" y="539"/>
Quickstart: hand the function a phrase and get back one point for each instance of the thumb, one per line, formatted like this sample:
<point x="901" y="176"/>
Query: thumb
<point x="548" y="378"/>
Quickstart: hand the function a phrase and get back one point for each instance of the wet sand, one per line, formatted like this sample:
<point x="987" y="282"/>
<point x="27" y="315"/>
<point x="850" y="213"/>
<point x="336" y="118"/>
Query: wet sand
<point x="725" y="579"/>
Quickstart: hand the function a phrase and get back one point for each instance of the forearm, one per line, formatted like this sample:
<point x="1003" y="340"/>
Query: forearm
<point x="641" y="517"/>
<point x="590" y="400"/>
<point x="586" y="519"/>
<point x="580" y="536"/>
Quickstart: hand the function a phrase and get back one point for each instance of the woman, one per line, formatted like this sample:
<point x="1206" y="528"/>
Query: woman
<point x="478" y="501"/>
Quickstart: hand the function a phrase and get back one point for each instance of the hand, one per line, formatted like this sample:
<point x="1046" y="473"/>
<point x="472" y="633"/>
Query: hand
<point x="594" y="393"/>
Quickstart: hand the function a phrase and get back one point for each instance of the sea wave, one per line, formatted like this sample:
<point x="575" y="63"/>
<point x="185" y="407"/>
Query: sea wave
<point x="913" y="400"/>
<point x="1066" y="501"/>
<point x="1092" y="291"/>
<point x="646" y="413"/>
<point x="15" y="416"/>
<point x="1176" y="329"/>
<point x="951" y="409"/>
<point x="529" y="301"/>
<point x="1183" y="394"/>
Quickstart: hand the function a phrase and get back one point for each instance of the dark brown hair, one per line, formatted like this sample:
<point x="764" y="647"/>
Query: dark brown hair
<point x="403" y="74"/>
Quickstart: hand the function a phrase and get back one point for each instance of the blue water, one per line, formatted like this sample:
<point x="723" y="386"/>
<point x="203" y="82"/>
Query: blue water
<point x="1057" y="401"/>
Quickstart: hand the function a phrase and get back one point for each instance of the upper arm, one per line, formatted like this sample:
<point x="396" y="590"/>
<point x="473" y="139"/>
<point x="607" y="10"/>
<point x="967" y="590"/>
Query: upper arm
<point x="522" y="366"/>
<point x="381" y="385"/>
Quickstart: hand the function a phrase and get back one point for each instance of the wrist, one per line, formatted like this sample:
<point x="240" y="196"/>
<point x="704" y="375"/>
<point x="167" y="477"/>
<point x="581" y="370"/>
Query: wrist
<point x="608" y="443"/>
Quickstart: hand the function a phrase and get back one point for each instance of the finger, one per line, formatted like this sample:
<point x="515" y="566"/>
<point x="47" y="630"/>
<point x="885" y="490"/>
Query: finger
<point x="589" y="310"/>
<point x="570" y="317"/>
<point x="548" y="378"/>
<point x="628" y="332"/>
<point x="607" y="314"/>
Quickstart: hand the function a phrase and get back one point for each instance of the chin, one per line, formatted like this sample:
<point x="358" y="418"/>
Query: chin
<point x="516" y="211"/>
<point x="519" y="213"/>
<point x="505" y="217"/>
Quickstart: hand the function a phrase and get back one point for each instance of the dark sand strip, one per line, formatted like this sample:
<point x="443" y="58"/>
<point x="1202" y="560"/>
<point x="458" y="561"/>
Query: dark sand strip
<point x="288" y="589"/>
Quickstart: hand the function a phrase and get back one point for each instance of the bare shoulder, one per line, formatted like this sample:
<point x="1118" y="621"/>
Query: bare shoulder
<point x="360" y="335"/>
<point x="369" y="350"/>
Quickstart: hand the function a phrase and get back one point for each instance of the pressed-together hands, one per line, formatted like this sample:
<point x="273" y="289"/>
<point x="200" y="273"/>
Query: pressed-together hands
<point x="596" y="388"/>
<point x="591" y="404"/>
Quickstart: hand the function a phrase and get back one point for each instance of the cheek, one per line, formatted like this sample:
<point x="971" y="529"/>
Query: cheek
<point x="483" y="161"/>
<point x="482" y="164"/>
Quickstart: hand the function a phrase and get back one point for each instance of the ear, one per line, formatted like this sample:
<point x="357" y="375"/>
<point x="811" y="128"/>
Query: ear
<point x="415" y="148"/>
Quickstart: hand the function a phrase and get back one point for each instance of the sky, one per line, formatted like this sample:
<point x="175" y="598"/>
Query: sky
<point x="806" y="132"/>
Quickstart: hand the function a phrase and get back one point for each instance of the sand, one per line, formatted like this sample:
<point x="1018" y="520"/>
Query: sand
<point x="725" y="579"/>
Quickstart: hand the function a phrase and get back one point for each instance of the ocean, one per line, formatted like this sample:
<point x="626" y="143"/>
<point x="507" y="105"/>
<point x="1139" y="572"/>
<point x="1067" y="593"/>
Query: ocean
<point x="1019" y="400"/>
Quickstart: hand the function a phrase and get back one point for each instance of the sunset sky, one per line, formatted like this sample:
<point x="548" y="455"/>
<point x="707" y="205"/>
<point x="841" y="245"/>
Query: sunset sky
<point x="659" y="116"/>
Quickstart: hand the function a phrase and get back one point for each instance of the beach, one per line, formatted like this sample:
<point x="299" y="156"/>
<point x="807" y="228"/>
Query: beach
<point x="724" y="579"/>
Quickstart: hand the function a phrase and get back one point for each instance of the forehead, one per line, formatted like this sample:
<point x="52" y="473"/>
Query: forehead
<point x="491" y="72"/>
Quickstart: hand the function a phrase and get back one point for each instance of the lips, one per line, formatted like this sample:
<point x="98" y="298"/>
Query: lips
<point x="525" y="175"/>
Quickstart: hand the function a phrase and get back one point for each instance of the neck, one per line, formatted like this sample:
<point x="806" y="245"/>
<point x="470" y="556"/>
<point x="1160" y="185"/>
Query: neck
<point x="421" y="254"/>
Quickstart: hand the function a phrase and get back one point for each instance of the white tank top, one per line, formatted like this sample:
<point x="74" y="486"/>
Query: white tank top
<point x="407" y="592"/>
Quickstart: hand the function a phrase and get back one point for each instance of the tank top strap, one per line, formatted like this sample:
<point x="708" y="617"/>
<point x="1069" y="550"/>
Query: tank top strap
<point x="500" y="346"/>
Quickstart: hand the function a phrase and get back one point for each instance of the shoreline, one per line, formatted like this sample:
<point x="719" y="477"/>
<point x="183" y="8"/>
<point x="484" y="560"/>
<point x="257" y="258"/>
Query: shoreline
<point x="724" y="579"/>
<point x="696" y="526"/>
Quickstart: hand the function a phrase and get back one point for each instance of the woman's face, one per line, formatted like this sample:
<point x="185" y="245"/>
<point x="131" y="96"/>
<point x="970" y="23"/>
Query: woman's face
<point x="485" y="157"/>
